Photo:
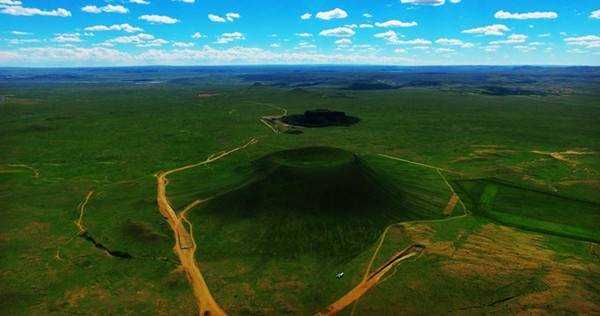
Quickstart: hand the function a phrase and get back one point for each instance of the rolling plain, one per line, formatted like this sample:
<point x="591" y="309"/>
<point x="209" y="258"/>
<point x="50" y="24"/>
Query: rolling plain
<point x="173" y="191"/>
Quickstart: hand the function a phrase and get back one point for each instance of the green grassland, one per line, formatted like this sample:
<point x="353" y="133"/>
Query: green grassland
<point x="255" y="246"/>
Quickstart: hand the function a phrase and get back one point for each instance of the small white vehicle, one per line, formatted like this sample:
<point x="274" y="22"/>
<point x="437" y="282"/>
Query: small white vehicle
<point x="339" y="275"/>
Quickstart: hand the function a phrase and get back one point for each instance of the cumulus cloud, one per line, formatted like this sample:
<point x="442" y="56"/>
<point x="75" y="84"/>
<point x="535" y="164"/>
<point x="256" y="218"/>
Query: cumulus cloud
<point x="453" y="42"/>
<point x="343" y="42"/>
<point x="67" y="38"/>
<point x="525" y="16"/>
<point x="231" y="16"/>
<point x="20" y="33"/>
<point x="140" y="40"/>
<point x="304" y="34"/>
<point x="185" y="1"/>
<point x="513" y="39"/>
<point x="393" y="38"/>
<point x="306" y="16"/>
<point x="338" y="32"/>
<point x="336" y="13"/>
<point x="396" y="23"/>
<point x="140" y="2"/>
<point x="595" y="14"/>
<point x="183" y="44"/>
<point x="158" y="19"/>
<point x="109" y="8"/>
<point x="21" y="11"/>
<point x="587" y="41"/>
<point x="424" y="2"/>
<point x="230" y="37"/>
<point x="101" y="56"/>
<point x="197" y="35"/>
<point x="125" y="27"/>
<point x="10" y="3"/>
<point x="365" y="26"/>
<point x="496" y="29"/>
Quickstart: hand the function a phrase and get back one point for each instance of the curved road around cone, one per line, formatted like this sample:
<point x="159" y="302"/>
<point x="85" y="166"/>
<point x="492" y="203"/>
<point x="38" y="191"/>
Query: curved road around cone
<point x="185" y="246"/>
<point x="372" y="280"/>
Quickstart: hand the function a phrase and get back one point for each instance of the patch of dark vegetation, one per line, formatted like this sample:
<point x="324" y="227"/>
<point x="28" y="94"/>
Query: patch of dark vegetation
<point x="422" y="83"/>
<point x="500" y="91"/>
<point x="114" y="253"/>
<point x="370" y="86"/>
<point x="316" y="200"/>
<point x="142" y="231"/>
<point x="37" y="128"/>
<point x="320" y="118"/>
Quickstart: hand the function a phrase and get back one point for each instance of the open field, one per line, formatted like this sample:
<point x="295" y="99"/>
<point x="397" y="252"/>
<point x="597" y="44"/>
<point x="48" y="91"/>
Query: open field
<point x="505" y="223"/>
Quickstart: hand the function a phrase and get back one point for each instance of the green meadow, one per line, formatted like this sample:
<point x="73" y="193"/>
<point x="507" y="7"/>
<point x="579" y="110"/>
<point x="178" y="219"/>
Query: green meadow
<point x="285" y="215"/>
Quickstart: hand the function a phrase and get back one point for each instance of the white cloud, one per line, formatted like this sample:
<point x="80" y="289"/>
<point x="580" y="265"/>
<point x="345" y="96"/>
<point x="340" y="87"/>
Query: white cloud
<point x="274" y="45"/>
<point x="305" y="45"/>
<point x="393" y="38"/>
<point x="183" y="44"/>
<point x="115" y="27"/>
<point x="444" y="50"/>
<point x="513" y="39"/>
<point x="18" y="10"/>
<point x="10" y="3"/>
<point x="343" y="42"/>
<point x="232" y="16"/>
<point x="424" y="2"/>
<point x="20" y="33"/>
<point x="306" y="16"/>
<point x="367" y="15"/>
<point x="389" y="36"/>
<point x="545" y="35"/>
<point x="109" y="8"/>
<point x="587" y="41"/>
<point x="158" y="19"/>
<point x="197" y="35"/>
<point x="101" y="56"/>
<point x="365" y="26"/>
<point x="399" y="50"/>
<point x="139" y="1"/>
<point x="525" y="16"/>
<point x="216" y="18"/>
<point x="305" y="34"/>
<point x="140" y="40"/>
<point x="453" y="42"/>
<point x="496" y="29"/>
<point x="230" y="37"/>
<point x="396" y="23"/>
<point x="336" y="13"/>
<point x="67" y="38"/>
<point x="185" y="1"/>
<point x="525" y="48"/>
<point x="338" y="32"/>
<point x="595" y="14"/>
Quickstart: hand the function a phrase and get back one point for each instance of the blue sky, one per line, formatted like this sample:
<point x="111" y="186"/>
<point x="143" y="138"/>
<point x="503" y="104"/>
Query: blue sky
<point x="222" y="32"/>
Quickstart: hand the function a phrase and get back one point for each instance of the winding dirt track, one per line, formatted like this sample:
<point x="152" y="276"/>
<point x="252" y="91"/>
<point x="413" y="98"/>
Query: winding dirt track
<point x="36" y="173"/>
<point x="185" y="245"/>
<point x="372" y="280"/>
<point x="79" y="221"/>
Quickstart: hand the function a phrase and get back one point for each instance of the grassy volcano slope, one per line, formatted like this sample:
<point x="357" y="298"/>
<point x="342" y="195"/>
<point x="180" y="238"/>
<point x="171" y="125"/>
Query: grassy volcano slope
<point x="533" y="210"/>
<point x="316" y="200"/>
<point x="282" y="225"/>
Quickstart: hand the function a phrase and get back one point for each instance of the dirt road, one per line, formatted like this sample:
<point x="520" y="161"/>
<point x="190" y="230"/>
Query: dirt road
<point x="79" y="221"/>
<point x="185" y="245"/>
<point x="372" y="280"/>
